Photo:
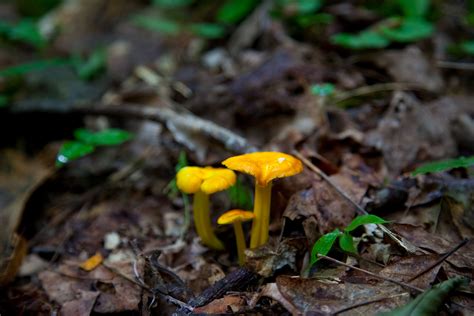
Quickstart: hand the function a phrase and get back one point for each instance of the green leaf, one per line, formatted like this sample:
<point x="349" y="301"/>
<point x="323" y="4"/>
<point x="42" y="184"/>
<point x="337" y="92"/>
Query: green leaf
<point x="182" y="161"/>
<point x="362" y="40"/>
<point x="107" y="137"/>
<point x="33" y="66"/>
<point x="156" y="24"/>
<point x="26" y="31"/>
<point x="363" y="220"/>
<point x="430" y="301"/>
<point x="301" y="6"/>
<point x="89" y="68"/>
<point x="4" y="100"/>
<point x="346" y="243"/>
<point x="409" y="30"/>
<point x="467" y="47"/>
<point x="323" y="245"/>
<point x="438" y="166"/>
<point x="172" y="4"/>
<point x="72" y="150"/>
<point x="323" y="90"/>
<point x="313" y="19"/>
<point x="414" y="8"/>
<point x="240" y="195"/>
<point x="208" y="30"/>
<point x="232" y="11"/>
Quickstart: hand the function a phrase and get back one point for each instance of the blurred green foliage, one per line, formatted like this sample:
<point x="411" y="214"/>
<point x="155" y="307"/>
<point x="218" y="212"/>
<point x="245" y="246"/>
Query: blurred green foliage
<point x="240" y="195"/>
<point x="25" y="31"/>
<point x="443" y="165"/>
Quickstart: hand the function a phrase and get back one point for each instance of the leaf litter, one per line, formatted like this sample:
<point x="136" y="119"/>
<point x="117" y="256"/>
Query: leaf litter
<point x="105" y="234"/>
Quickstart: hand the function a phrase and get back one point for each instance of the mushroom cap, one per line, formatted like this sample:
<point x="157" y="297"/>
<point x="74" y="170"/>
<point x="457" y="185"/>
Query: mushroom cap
<point x="208" y="180"/>
<point x="265" y="166"/>
<point x="233" y="216"/>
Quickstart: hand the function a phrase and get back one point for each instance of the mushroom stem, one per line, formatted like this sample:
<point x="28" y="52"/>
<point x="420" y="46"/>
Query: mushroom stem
<point x="261" y="209"/>
<point x="202" y="221"/>
<point x="240" y="240"/>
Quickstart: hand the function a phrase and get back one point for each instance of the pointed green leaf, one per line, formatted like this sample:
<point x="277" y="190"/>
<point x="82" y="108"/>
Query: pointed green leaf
<point x="107" y="137"/>
<point x="430" y="301"/>
<point x="88" y="68"/>
<point x="363" y="220"/>
<point x="409" y="30"/>
<point x="232" y="11"/>
<point x="346" y="243"/>
<point x="157" y="24"/>
<point x="323" y="245"/>
<point x="208" y="30"/>
<point x="438" y="166"/>
<point x="33" y="66"/>
<point x="72" y="150"/>
<point x="362" y="40"/>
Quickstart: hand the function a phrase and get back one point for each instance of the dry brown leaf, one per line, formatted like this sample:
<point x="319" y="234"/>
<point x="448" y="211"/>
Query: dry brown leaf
<point x="227" y="304"/>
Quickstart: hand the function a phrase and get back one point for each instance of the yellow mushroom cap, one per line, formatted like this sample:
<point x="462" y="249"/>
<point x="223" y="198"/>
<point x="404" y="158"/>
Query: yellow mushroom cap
<point x="208" y="180"/>
<point x="233" y="216"/>
<point x="265" y="166"/>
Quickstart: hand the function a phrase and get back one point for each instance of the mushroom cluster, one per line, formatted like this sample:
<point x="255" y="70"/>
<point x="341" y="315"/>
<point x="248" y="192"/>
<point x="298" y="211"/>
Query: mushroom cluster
<point x="264" y="166"/>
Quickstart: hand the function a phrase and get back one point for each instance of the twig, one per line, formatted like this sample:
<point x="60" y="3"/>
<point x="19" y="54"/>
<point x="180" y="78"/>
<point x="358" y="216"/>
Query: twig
<point x="368" y="303"/>
<point x="455" y="65"/>
<point x="359" y="208"/>
<point x="184" y="121"/>
<point x="343" y="96"/>
<point x="402" y="284"/>
<point x="440" y="260"/>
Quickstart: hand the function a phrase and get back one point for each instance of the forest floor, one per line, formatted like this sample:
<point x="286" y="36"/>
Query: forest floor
<point x="101" y="228"/>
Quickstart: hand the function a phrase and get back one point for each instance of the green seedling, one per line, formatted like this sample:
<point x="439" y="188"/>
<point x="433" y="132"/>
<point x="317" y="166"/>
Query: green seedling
<point x="443" y="165"/>
<point x="346" y="242"/>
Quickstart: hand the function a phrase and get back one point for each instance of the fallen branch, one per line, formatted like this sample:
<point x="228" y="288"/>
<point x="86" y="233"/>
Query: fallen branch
<point x="184" y="121"/>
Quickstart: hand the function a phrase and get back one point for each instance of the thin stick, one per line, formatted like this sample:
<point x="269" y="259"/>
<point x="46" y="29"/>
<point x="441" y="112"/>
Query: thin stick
<point x="359" y="208"/>
<point x="455" y="65"/>
<point x="402" y="284"/>
<point x="440" y="260"/>
<point x="368" y="303"/>
<point x="375" y="88"/>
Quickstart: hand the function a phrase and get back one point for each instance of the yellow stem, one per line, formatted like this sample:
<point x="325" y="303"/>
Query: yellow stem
<point x="202" y="221"/>
<point x="261" y="209"/>
<point x="240" y="240"/>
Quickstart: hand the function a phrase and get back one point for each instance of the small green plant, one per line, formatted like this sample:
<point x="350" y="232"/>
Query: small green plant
<point x="323" y="90"/>
<point x="25" y="31"/>
<point x="346" y="242"/>
<point x="36" y="65"/>
<point x="171" y="188"/>
<point x="89" y="67"/>
<point x="409" y="27"/>
<point x="240" y="195"/>
<point x="443" y="165"/>
<point x="86" y="141"/>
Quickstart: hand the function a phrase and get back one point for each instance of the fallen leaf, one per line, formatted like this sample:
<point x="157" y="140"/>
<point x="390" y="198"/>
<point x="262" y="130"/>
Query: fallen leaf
<point x="82" y="305"/>
<point x="92" y="263"/>
<point x="227" y="304"/>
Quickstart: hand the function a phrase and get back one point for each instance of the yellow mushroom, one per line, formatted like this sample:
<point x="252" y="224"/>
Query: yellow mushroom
<point x="264" y="166"/>
<point x="202" y="182"/>
<point x="236" y="217"/>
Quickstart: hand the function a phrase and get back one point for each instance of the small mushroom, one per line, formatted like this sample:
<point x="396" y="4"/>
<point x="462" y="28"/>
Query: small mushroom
<point x="236" y="217"/>
<point x="264" y="166"/>
<point x="202" y="182"/>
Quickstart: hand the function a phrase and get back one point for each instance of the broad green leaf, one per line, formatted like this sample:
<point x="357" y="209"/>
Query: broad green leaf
<point x="90" y="67"/>
<point x="232" y="11"/>
<point x="323" y="90"/>
<point x="467" y="47"/>
<point x="4" y="100"/>
<point x="409" y="30"/>
<point x="362" y="40"/>
<point x="323" y="245"/>
<point x="240" y="195"/>
<point x="346" y="242"/>
<point x="443" y="165"/>
<point x="157" y="24"/>
<point x="208" y="30"/>
<point x="26" y="31"/>
<point x="172" y="4"/>
<point x="33" y="66"/>
<point x="312" y="19"/>
<point x="107" y="137"/>
<point x="72" y="150"/>
<point x="430" y="301"/>
<point x="414" y="8"/>
<point x="363" y="220"/>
